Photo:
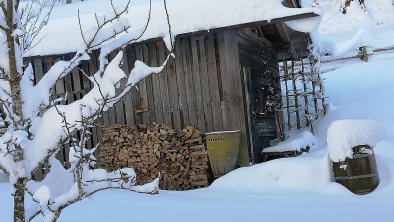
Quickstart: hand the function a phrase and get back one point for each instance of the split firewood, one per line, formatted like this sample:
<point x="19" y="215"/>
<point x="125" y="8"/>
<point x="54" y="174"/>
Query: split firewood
<point x="179" y="156"/>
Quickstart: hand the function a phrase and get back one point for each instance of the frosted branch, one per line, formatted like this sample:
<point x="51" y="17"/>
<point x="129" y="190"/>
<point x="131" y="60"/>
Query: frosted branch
<point x="100" y="98"/>
<point x="42" y="91"/>
<point x="108" y="27"/>
<point x="53" y="195"/>
<point x="35" y="16"/>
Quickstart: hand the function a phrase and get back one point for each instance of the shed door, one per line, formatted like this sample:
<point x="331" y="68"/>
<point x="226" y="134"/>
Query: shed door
<point x="260" y="91"/>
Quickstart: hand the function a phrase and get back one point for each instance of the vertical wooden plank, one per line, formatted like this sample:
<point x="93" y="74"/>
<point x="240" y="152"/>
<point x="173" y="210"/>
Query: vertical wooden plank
<point x="86" y="85"/>
<point x="76" y="95"/>
<point x="142" y="88"/>
<point x="187" y="69"/>
<point x="206" y="95"/>
<point x="197" y="84"/>
<point x="157" y="100"/>
<point x="213" y="83"/>
<point x="180" y="78"/>
<point x="149" y="85"/>
<point x="128" y="102"/>
<point x="76" y="82"/>
<point x="239" y="105"/>
<point x="38" y="74"/>
<point x="135" y="93"/>
<point x="226" y="80"/>
<point x="60" y="88"/>
<point x="94" y="64"/>
<point x="93" y="68"/>
<point x="112" y="112"/>
<point x="119" y="106"/>
<point x="173" y="93"/>
<point x="247" y="83"/>
<point x="68" y="82"/>
<point x="164" y="88"/>
<point x="85" y="81"/>
<point x="60" y="91"/>
<point x="38" y="65"/>
<point x="47" y="65"/>
<point x="38" y="70"/>
<point x="96" y="131"/>
<point x="233" y="109"/>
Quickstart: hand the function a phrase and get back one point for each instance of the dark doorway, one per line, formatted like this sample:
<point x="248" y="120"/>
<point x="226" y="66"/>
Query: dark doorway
<point x="260" y="101"/>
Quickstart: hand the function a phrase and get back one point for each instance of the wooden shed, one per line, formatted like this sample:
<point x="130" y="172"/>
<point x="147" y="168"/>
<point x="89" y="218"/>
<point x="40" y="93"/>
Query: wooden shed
<point x="223" y="79"/>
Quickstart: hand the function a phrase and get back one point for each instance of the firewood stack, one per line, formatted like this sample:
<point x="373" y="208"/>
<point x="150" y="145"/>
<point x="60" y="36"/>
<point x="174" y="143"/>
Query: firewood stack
<point x="179" y="155"/>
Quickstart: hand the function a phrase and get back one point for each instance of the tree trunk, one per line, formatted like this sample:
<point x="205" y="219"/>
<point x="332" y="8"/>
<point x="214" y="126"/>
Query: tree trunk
<point x="19" y="200"/>
<point x="57" y="215"/>
<point x="15" y="79"/>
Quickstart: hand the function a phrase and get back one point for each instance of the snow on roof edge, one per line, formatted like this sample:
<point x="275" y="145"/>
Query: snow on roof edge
<point x="62" y="36"/>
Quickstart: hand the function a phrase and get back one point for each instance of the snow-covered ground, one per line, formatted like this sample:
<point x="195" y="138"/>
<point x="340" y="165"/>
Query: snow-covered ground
<point x="341" y="34"/>
<point x="293" y="189"/>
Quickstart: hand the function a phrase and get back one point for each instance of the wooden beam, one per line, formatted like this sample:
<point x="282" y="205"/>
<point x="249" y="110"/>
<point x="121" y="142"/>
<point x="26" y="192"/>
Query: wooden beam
<point x="285" y="36"/>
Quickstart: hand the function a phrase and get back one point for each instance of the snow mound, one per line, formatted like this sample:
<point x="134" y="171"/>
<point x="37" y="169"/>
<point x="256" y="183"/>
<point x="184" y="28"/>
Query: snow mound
<point x="341" y="34"/>
<point x="295" y="174"/>
<point x="296" y="142"/>
<point x="343" y="135"/>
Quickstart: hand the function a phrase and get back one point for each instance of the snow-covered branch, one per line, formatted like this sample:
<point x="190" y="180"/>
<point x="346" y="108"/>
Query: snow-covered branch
<point x="95" y="36"/>
<point x="42" y="90"/>
<point x="108" y="27"/>
<point x="35" y="14"/>
<point x="102" y="96"/>
<point x="62" y="187"/>
<point x="5" y="91"/>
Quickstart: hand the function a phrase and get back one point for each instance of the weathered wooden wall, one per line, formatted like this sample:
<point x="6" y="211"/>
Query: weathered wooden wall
<point x="201" y="87"/>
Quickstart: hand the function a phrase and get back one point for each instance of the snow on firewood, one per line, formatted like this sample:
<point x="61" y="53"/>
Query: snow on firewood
<point x="296" y="142"/>
<point x="343" y="135"/>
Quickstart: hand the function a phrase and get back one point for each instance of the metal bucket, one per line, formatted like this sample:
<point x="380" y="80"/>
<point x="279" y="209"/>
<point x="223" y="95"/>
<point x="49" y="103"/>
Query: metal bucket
<point x="359" y="174"/>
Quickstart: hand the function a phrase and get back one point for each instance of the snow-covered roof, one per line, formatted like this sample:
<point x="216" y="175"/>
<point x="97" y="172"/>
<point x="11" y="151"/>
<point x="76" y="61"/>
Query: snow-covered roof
<point x="62" y="33"/>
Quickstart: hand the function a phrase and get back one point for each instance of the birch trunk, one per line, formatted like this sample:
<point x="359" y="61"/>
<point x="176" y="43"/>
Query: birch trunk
<point x="15" y="80"/>
<point x="19" y="200"/>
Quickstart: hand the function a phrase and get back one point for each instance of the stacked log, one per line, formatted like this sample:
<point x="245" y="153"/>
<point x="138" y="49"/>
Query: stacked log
<point x="178" y="155"/>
